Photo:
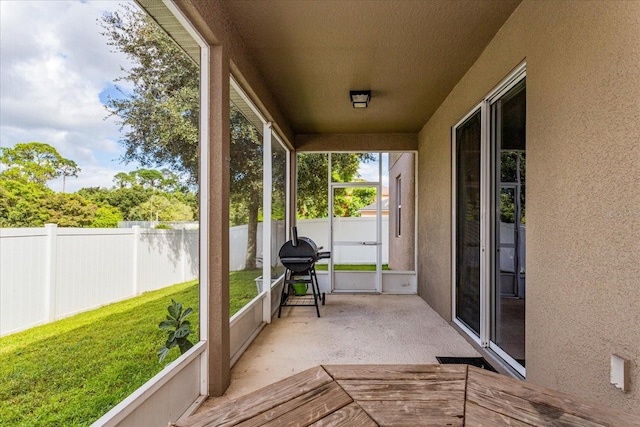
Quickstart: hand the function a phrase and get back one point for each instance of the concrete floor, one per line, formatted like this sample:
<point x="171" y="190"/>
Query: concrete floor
<point x="353" y="329"/>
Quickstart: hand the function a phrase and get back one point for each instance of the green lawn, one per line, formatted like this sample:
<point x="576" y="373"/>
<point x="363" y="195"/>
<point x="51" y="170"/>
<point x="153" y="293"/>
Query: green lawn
<point x="71" y="372"/>
<point x="350" y="267"/>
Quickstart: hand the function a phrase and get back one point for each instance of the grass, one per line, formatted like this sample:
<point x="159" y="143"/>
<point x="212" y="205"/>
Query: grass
<point x="351" y="267"/>
<point x="71" y="372"/>
<point x="242" y="289"/>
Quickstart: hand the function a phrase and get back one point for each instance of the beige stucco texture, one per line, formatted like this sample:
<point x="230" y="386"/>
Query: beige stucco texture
<point x="402" y="241"/>
<point x="583" y="189"/>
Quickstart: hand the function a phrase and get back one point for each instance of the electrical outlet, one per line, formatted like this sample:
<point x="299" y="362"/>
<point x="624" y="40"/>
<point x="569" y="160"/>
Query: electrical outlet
<point x="620" y="372"/>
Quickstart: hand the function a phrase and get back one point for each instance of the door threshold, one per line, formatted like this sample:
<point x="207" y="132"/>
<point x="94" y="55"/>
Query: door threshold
<point x="343" y="291"/>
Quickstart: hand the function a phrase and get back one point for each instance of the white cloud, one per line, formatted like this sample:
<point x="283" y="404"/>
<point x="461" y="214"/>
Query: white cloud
<point x="370" y="172"/>
<point x="54" y="63"/>
<point x="91" y="176"/>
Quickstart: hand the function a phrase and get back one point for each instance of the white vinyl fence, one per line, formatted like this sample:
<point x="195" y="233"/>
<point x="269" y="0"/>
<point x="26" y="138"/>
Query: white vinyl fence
<point x="50" y="273"/>
<point x="348" y="229"/>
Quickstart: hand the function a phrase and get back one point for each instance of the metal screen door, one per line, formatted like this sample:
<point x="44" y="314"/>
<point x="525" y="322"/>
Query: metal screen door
<point x="356" y="243"/>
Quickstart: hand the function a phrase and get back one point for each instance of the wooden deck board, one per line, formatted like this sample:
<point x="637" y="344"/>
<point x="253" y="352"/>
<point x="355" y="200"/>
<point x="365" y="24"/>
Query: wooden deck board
<point x="404" y="390"/>
<point x="351" y="415"/>
<point x="415" y="413"/>
<point x="537" y="405"/>
<point x="477" y="416"/>
<point x="406" y="395"/>
<point x="397" y="372"/>
<point x="259" y="401"/>
<point x="307" y="408"/>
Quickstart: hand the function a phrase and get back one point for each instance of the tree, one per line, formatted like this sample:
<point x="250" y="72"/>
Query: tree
<point x="159" y="118"/>
<point x="29" y="204"/>
<point x="246" y="178"/>
<point x="160" y="207"/>
<point x="68" y="168"/>
<point x="312" y="194"/>
<point x="124" y="199"/>
<point x="35" y="162"/>
<point x="148" y="178"/>
<point x="69" y="210"/>
<point x="21" y="203"/>
<point x="106" y="217"/>
<point x="124" y="180"/>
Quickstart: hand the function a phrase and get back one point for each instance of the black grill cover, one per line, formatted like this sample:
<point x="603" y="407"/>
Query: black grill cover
<point x="300" y="257"/>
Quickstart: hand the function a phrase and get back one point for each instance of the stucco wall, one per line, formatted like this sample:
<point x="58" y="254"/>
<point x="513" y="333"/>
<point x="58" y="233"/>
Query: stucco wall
<point x="583" y="189"/>
<point x="402" y="248"/>
<point x="357" y="142"/>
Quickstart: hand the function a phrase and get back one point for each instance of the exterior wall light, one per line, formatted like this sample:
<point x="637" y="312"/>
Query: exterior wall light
<point x="360" y="98"/>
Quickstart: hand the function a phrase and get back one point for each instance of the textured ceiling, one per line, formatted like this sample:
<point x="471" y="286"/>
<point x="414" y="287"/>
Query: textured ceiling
<point x="409" y="53"/>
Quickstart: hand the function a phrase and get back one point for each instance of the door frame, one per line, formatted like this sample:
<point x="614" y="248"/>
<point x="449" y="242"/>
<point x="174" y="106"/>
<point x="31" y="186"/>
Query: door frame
<point x="378" y="240"/>
<point x="487" y="238"/>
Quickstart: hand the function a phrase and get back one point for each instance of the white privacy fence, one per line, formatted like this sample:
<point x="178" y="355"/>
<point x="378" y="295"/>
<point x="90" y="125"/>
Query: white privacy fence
<point x="346" y="229"/>
<point x="50" y="273"/>
<point x="352" y="229"/>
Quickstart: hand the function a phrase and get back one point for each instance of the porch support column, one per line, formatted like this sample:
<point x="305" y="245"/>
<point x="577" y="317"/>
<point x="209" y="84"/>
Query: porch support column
<point x="218" y="298"/>
<point x="293" y="191"/>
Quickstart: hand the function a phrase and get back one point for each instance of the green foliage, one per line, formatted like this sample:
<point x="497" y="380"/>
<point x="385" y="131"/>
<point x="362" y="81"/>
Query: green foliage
<point x="106" y="217"/>
<point x="35" y="162"/>
<point x="69" y="210"/>
<point x="161" y="207"/>
<point x="312" y="183"/>
<point x="162" y="180"/>
<point x="28" y="204"/>
<point x="347" y="201"/>
<point x="513" y="170"/>
<point x="124" y="199"/>
<point x="178" y="330"/>
<point x="22" y="203"/>
<point x="159" y="119"/>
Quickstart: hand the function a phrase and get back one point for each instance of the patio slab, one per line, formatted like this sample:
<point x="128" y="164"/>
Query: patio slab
<point x="353" y="329"/>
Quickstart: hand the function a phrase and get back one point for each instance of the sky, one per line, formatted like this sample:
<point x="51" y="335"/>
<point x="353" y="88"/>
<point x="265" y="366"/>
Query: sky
<point x="55" y="72"/>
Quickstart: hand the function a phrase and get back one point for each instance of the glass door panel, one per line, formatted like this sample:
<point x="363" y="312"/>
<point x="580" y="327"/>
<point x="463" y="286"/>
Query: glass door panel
<point x="467" y="267"/>
<point x="508" y="289"/>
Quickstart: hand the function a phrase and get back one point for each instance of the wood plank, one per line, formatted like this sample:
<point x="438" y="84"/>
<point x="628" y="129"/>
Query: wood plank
<point x="252" y="404"/>
<point x="313" y="408"/>
<point x="415" y="413"/>
<point x="477" y="416"/>
<point x="404" y="390"/>
<point x="351" y="415"/>
<point x="397" y="372"/>
<point x="538" y="405"/>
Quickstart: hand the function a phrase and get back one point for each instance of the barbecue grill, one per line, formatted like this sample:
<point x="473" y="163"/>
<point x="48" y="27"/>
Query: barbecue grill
<point x="299" y="256"/>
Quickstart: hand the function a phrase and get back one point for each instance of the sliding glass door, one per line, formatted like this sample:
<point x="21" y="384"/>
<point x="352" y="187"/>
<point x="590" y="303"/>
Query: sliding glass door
<point x="489" y="216"/>
<point x="509" y="224"/>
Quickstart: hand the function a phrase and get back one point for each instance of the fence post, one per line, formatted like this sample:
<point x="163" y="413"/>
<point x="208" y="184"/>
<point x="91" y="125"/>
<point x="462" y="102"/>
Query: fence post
<point x="134" y="278"/>
<point x="51" y="261"/>
<point x="183" y="255"/>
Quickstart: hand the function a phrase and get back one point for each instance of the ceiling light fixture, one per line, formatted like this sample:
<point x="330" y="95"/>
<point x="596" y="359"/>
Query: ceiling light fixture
<point x="360" y="98"/>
